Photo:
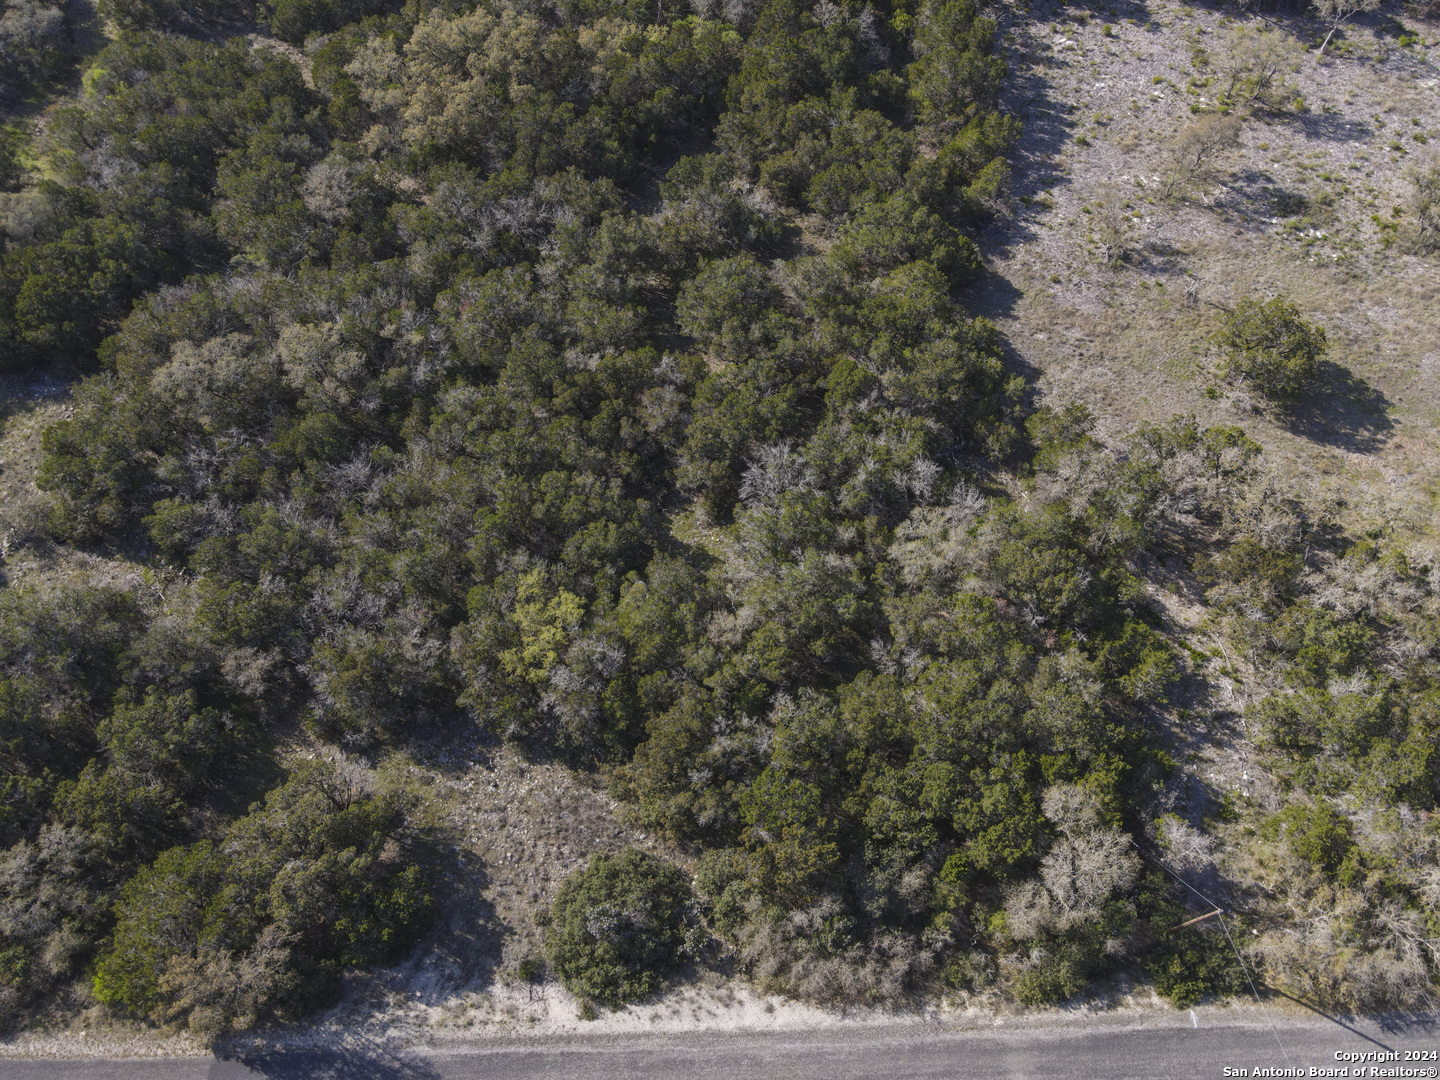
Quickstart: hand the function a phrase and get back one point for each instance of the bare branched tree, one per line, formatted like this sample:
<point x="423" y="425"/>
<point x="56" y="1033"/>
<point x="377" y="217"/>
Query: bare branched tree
<point x="1254" y="67"/>
<point x="1112" y="223"/>
<point x="1198" y="148"/>
<point x="773" y="471"/>
<point x="1339" y="12"/>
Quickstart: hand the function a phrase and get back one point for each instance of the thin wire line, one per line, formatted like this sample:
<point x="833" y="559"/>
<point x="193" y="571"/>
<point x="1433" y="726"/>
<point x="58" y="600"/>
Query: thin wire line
<point x="1172" y="873"/>
<point x="1233" y="947"/>
<point x="1251" y="979"/>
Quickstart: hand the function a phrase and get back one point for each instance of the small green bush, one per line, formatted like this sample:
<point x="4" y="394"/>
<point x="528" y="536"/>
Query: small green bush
<point x="1271" y="347"/>
<point x="1186" y="963"/>
<point x="1055" y="980"/>
<point x="295" y="20"/>
<point x="1316" y="834"/>
<point x="1191" y="964"/>
<point x="617" y="926"/>
<point x="162" y="14"/>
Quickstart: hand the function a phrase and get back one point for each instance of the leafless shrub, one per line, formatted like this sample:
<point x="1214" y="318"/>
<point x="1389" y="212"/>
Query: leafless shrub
<point x="346" y="782"/>
<point x="1081" y="872"/>
<point x="368" y="681"/>
<point x="809" y="955"/>
<point x="1078" y="874"/>
<point x="1267" y="512"/>
<point x="329" y="189"/>
<point x="249" y="671"/>
<point x="966" y="498"/>
<point x="775" y="470"/>
<point x="1088" y="481"/>
<point x="203" y="379"/>
<point x="1339" y="12"/>
<point x="1197" y="150"/>
<point x="215" y="992"/>
<point x="1113" y="224"/>
<point x="918" y="478"/>
<point x="739" y="12"/>
<point x="25" y="520"/>
<point x="1425" y="205"/>
<point x="1254" y="65"/>
<point x="933" y="543"/>
<point x="315" y="360"/>
<point x="1186" y="847"/>
<point x="1352" y="958"/>
<point x="22" y="214"/>
<point x="1359" y="584"/>
<point x="1072" y="809"/>
<point x="1429" y="888"/>
<point x="574" y="686"/>
<point x="1029" y="911"/>
<point x="46" y="890"/>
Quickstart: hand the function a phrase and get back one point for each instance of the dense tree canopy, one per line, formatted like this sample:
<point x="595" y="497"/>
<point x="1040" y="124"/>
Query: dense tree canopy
<point x="600" y="373"/>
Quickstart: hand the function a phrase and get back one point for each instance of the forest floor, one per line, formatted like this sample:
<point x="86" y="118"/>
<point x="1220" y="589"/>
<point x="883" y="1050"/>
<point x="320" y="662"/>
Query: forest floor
<point x="1102" y="94"/>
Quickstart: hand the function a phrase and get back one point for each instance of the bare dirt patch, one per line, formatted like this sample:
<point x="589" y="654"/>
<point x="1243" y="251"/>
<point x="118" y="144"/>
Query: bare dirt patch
<point x="1304" y="207"/>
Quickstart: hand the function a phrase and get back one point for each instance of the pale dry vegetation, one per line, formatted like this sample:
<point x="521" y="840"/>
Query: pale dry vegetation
<point x="1304" y="207"/>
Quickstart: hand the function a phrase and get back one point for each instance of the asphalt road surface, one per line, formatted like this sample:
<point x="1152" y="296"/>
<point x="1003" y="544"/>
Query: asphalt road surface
<point x="1104" y="1051"/>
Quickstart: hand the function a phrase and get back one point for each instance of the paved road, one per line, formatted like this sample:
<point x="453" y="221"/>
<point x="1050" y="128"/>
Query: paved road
<point x="1104" y="1051"/>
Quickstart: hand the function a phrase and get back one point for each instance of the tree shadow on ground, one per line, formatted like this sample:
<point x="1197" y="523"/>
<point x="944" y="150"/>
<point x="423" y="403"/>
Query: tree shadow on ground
<point x="1331" y="127"/>
<point x="462" y="949"/>
<point x="1256" y="190"/>
<point x="1328" y="1016"/>
<point x="1155" y="258"/>
<point x="1342" y="410"/>
<point x="354" y="1058"/>
<point x="1031" y="94"/>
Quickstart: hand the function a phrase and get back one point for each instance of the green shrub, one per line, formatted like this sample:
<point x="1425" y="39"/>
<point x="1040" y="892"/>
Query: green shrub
<point x="12" y="168"/>
<point x="295" y="20"/>
<point x="1056" y="979"/>
<point x="160" y="14"/>
<point x="1271" y="347"/>
<point x="1186" y="963"/>
<point x="618" y="926"/>
<point x="1317" y="834"/>
<point x="258" y="925"/>
<point x="1194" y="963"/>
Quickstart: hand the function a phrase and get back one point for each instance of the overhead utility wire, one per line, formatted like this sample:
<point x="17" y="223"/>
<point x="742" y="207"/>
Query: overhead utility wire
<point x="1233" y="947"/>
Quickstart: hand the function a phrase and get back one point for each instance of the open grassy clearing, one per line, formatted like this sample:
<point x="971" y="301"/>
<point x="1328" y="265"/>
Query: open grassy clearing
<point x="1293" y="215"/>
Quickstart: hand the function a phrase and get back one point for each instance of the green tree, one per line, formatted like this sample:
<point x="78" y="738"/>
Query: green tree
<point x="1270" y="346"/>
<point x="1317" y="834"/>
<point x="956" y="72"/>
<point x="617" y="926"/>
<point x="221" y="935"/>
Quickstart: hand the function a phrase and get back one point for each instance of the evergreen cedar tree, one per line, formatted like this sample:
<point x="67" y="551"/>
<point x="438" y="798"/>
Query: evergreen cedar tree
<point x="478" y="379"/>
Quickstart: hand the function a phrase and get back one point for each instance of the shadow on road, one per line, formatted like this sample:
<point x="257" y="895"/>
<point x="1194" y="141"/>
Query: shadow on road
<point x="358" y="1061"/>
<point x="1332" y="1018"/>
